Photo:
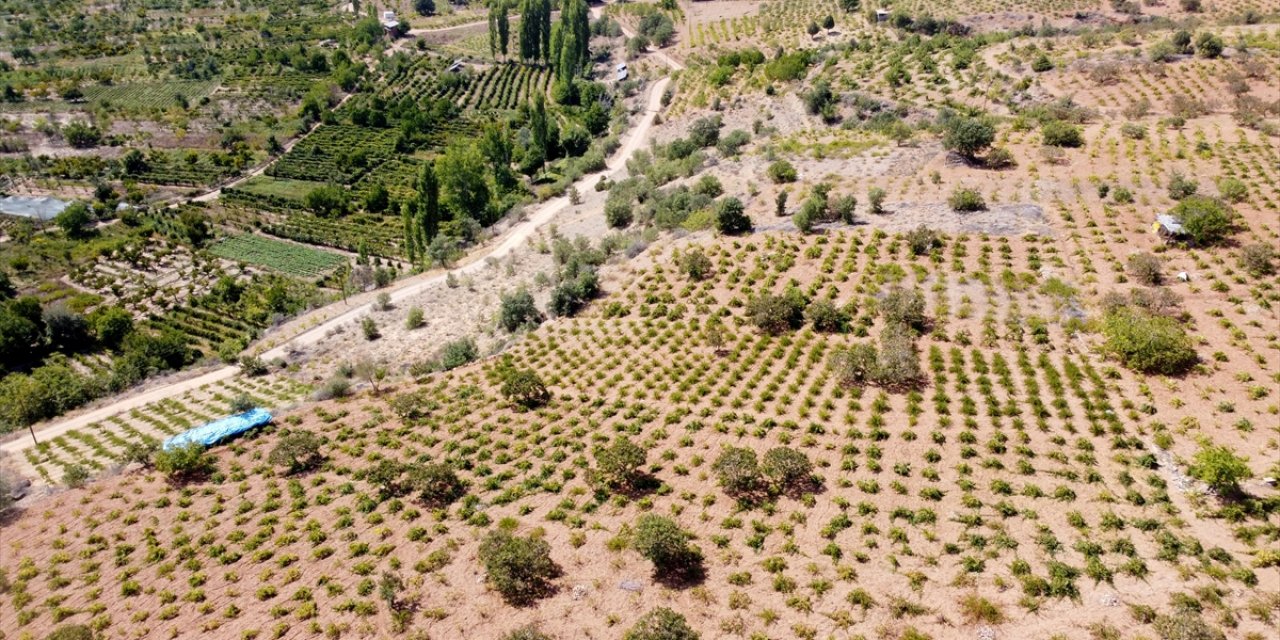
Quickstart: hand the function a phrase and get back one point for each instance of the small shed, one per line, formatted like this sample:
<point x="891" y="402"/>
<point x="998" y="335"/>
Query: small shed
<point x="882" y="15"/>
<point x="456" y="66"/>
<point x="622" y="71"/>
<point x="389" y="21"/>
<point x="1167" y="227"/>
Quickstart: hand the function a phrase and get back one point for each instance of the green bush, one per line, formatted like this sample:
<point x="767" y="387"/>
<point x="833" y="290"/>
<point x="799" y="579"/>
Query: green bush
<point x="524" y="387"/>
<point x="875" y="199"/>
<point x="518" y="568"/>
<point x="904" y="307"/>
<point x="1205" y="220"/>
<point x="1148" y="343"/>
<point x="1185" y="626"/>
<point x="661" y="624"/>
<point x="827" y="317"/>
<point x="437" y="484"/>
<point x="787" y="468"/>
<point x="695" y="264"/>
<point x="1181" y="187"/>
<point x="731" y="217"/>
<point x="1233" y="189"/>
<point x="781" y="172"/>
<point x="71" y="632"/>
<point x="518" y="311"/>
<point x="923" y="240"/>
<point x="968" y="136"/>
<point x="1061" y="134"/>
<point x="966" y="200"/>
<point x="1258" y="259"/>
<point x="775" y="314"/>
<point x="369" y="328"/>
<point x="1220" y="468"/>
<point x="184" y="463"/>
<point x="297" y="452"/>
<point x="661" y="541"/>
<point x="737" y="471"/>
<point x="457" y="353"/>
<point x="1145" y="268"/>
<point x="619" y="465"/>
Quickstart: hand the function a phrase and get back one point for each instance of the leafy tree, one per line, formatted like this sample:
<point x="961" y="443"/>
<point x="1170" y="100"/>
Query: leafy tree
<point x="1148" y="343"/>
<point x="425" y="7"/>
<point x="1219" y="467"/>
<point x="518" y="311"/>
<point x="457" y="353"/>
<point x="661" y="541"/>
<point x="111" y="324"/>
<point x="1205" y="220"/>
<point x="923" y="240"/>
<point x="775" y="314"/>
<point x="904" y="307"/>
<point x="661" y="624"/>
<point x="66" y="330"/>
<point x="737" y="471"/>
<point x="328" y="201"/>
<point x="826" y="317"/>
<point x="898" y="363"/>
<point x="73" y="219"/>
<point x="695" y="264"/>
<point x="134" y="162"/>
<point x="524" y="387"/>
<point x="968" y="136"/>
<point x="731" y="217"/>
<point x="20" y="331"/>
<point x="81" y="135"/>
<point x="437" y="484"/>
<point x="855" y="364"/>
<point x="297" y="452"/>
<point x="705" y="132"/>
<point x="1209" y="45"/>
<point x="1145" y="268"/>
<point x="184" y="463"/>
<point x="464" y="185"/>
<point x="518" y="568"/>
<point x="618" y="466"/>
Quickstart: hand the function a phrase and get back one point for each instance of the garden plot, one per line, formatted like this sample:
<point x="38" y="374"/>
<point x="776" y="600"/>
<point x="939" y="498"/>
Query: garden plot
<point x="151" y="276"/>
<point x="99" y="446"/>
<point x="285" y="257"/>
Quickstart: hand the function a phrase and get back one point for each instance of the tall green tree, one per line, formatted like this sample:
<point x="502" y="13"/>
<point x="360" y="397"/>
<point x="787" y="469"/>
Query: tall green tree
<point x="428" y="213"/>
<point x="464" y="185"/>
<point x="495" y="144"/>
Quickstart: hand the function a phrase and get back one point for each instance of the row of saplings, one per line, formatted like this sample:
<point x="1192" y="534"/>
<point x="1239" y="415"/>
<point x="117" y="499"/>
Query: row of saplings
<point x="520" y="568"/>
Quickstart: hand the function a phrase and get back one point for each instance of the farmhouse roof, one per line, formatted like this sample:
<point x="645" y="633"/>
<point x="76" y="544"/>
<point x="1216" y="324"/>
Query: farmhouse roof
<point x="36" y="207"/>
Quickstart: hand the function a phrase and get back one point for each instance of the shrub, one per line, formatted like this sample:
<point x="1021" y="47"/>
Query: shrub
<point x="1204" y="220"/>
<point x="1233" y="190"/>
<point x="457" y="353"/>
<point x="978" y="609"/>
<point x="787" y="468"/>
<point x="619" y="464"/>
<point x="298" y="451"/>
<point x="898" y="362"/>
<point x="574" y="292"/>
<point x="705" y="132"/>
<point x="775" y="314"/>
<point x="1185" y="626"/>
<point x="731" y="217"/>
<point x="965" y="200"/>
<point x="999" y="158"/>
<point x="370" y="329"/>
<point x="1148" y="343"/>
<point x="1257" y="259"/>
<point x="968" y="136"/>
<point x="1220" y="468"/>
<point x="138" y="452"/>
<point x="1133" y="131"/>
<point x="518" y="311"/>
<point x="518" y="568"/>
<point x="827" y="317"/>
<point x="1041" y="64"/>
<point x="414" y="319"/>
<point x="617" y="213"/>
<point x="1181" y="187"/>
<point x="436" y="484"/>
<point x="923" y="240"/>
<point x="75" y="476"/>
<point x="661" y="624"/>
<point x="843" y="208"/>
<point x="781" y="172"/>
<point x="737" y="470"/>
<point x="661" y="541"/>
<point x="1209" y="45"/>
<point x="904" y="307"/>
<point x="855" y="364"/>
<point x="184" y="463"/>
<point x="731" y="143"/>
<point x="524" y="388"/>
<point x="1145" y="268"/>
<point x="71" y="632"/>
<point x="1061" y="134"/>
<point x="526" y="633"/>
<point x="695" y="264"/>
<point x="875" y="199"/>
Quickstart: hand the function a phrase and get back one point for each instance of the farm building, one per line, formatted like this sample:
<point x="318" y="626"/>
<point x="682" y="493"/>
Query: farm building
<point x="42" y="208"/>
<point x="622" y="71"/>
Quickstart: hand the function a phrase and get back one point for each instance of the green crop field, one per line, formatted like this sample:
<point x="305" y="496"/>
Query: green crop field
<point x="285" y="257"/>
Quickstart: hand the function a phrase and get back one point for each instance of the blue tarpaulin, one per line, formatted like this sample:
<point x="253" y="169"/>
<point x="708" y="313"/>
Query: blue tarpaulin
<point x="219" y="430"/>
